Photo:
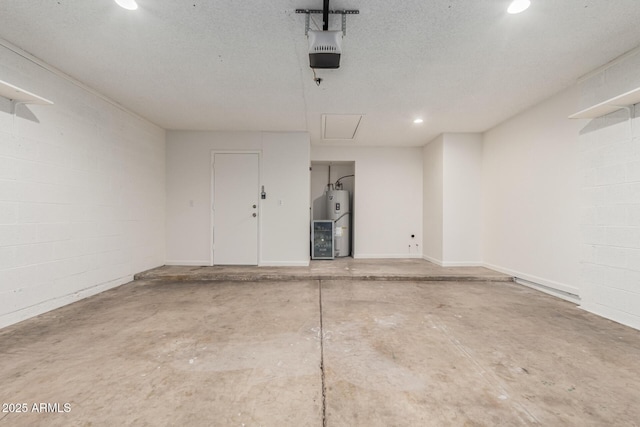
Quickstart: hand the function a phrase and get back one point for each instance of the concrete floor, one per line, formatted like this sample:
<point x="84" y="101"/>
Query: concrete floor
<point x="321" y="352"/>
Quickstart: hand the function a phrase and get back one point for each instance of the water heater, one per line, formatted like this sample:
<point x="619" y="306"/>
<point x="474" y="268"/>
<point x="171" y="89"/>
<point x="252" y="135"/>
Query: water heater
<point x="338" y="210"/>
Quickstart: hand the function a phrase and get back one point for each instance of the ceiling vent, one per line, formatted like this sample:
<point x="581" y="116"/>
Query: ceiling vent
<point x="340" y="126"/>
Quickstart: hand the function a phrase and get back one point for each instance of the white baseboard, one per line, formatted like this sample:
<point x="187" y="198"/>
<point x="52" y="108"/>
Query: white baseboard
<point x="188" y="262"/>
<point x="462" y="264"/>
<point x="453" y="263"/>
<point x="392" y="256"/>
<point x="433" y="260"/>
<point x="283" y="264"/>
<point x="551" y="287"/>
<point x="45" y="306"/>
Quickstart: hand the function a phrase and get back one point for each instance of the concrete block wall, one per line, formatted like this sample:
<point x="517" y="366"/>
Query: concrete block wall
<point x="610" y="217"/>
<point x="81" y="193"/>
<point x="612" y="79"/>
<point x="610" y="202"/>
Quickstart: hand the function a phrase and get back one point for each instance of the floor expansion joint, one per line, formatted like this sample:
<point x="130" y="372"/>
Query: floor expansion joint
<point x="324" y="389"/>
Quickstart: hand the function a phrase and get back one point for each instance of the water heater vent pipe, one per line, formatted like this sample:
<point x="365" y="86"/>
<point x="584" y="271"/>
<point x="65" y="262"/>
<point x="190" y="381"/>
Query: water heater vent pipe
<point x="339" y="184"/>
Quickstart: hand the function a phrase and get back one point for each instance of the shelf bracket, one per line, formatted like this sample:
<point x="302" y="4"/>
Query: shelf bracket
<point x="631" y="110"/>
<point x="626" y="107"/>
<point x="14" y="105"/>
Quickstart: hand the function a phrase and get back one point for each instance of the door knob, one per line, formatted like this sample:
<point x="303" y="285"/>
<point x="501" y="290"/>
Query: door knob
<point x="254" y="206"/>
<point x="255" y="214"/>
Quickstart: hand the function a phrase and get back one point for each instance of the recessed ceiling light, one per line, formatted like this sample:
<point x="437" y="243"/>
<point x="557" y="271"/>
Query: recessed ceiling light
<point x="417" y="121"/>
<point x="518" y="6"/>
<point x="127" y="4"/>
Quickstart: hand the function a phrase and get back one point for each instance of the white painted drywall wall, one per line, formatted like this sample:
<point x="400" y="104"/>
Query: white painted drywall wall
<point x="81" y="193"/>
<point x="319" y="180"/>
<point x="610" y="211"/>
<point x="462" y="199"/>
<point x="188" y="188"/>
<point x="388" y="198"/>
<point x="284" y="214"/>
<point x="452" y="184"/>
<point x="531" y="195"/>
<point x="432" y="199"/>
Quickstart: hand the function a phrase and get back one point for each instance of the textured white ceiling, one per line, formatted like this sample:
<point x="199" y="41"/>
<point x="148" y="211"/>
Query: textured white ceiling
<point x="462" y="65"/>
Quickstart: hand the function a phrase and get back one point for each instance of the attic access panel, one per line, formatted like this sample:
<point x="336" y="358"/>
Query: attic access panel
<point x="340" y="126"/>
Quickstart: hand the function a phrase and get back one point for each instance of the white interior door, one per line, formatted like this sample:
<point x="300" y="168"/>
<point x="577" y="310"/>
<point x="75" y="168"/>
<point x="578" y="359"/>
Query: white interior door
<point x="236" y="179"/>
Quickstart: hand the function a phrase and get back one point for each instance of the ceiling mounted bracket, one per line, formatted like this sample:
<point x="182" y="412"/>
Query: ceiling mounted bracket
<point x="343" y="12"/>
